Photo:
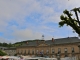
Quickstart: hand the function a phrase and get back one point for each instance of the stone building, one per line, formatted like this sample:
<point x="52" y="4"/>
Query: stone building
<point x="62" y="47"/>
<point x="2" y="48"/>
<point x="10" y="51"/>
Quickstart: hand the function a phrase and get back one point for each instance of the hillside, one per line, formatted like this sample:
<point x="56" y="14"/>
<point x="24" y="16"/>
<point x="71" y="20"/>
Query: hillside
<point x="17" y="43"/>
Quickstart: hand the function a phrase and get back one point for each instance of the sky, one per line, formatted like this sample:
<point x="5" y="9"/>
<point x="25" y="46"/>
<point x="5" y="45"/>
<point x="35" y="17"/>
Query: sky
<point x="22" y="20"/>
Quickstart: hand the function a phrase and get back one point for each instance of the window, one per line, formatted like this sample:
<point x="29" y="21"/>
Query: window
<point x="21" y="51"/>
<point x="59" y="50"/>
<point x="47" y="51"/>
<point x="65" y="50"/>
<point x="52" y="50"/>
<point x="72" y="49"/>
<point x="18" y="51"/>
<point x="28" y="51"/>
<point x="42" y="51"/>
<point x="25" y="52"/>
<point x="36" y="51"/>
<point x="32" y="51"/>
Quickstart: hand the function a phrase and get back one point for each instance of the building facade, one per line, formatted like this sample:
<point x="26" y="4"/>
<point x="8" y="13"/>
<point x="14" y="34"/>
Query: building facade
<point x="10" y="51"/>
<point x="2" y="48"/>
<point x="63" y="47"/>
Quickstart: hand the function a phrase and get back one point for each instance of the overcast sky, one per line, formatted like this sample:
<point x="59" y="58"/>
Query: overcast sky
<point x="22" y="20"/>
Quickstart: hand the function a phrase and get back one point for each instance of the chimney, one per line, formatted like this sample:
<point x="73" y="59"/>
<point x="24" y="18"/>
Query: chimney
<point x="52" y="39"/>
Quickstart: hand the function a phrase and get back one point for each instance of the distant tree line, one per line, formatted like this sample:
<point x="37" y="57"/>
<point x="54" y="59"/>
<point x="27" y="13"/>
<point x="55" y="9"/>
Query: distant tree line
<point x="6" y="44"/>
<point x="17" y="43"/>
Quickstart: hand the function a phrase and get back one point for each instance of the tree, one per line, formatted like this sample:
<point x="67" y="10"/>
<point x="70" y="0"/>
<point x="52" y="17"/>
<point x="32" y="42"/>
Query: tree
<point x="9" y="45"/>
<point x="69" y="21"/>
<point x="4" y="44"/>
<point x="2" y="53"/>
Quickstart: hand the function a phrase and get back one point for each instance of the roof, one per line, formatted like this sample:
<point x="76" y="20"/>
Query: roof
<point x="56" y="41"/>
<point x="30" y="44"/>
<point x="3" y="47"/>
<point x="11" y="48"/>
<point x="64" y="40"/>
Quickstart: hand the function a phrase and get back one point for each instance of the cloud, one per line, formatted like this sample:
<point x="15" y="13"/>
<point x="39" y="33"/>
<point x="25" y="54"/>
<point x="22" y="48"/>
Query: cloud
<point x="29" y="19"/>
<point x="26" y="34"/>
<point x="2" y="40"/>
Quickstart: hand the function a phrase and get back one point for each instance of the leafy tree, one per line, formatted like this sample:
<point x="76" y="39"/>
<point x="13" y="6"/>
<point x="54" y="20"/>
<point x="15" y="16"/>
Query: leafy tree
<point x="68" y="19"/>
<point x="0" y="44"/>
<point x="4" y="44"/>
<point x="10" y="45"/>
<point x="2" y="53"/>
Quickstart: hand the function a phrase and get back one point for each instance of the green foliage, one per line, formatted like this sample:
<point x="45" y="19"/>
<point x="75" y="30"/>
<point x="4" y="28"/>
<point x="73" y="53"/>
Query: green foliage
<point x="2" y="53"/>
<point x="6" y="44"/>
<point x="69" y="21"/>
